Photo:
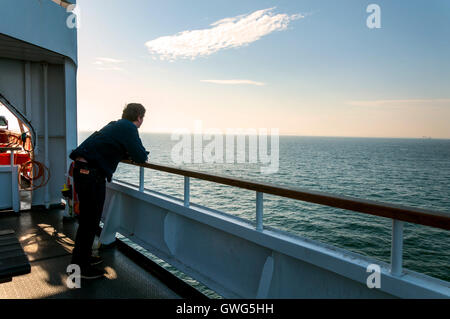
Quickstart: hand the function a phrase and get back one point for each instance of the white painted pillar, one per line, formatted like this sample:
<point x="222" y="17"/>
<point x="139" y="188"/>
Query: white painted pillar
<point x="46" y="143"/>
<point x="70" y="79"/>
<point x="27" y="88"/>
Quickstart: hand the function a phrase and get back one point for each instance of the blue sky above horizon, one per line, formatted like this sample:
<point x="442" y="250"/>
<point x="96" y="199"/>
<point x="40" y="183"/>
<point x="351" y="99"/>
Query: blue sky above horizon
<point x="305" y="67"/>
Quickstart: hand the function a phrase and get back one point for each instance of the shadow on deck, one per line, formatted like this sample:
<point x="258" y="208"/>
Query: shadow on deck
<point x="48" y="239"/>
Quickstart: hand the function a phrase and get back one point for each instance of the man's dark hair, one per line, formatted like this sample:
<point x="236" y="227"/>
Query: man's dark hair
<point x="132" y="111"/>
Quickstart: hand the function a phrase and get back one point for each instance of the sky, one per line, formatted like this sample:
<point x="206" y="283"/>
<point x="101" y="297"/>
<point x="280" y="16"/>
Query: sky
<point x="310" y="68"/>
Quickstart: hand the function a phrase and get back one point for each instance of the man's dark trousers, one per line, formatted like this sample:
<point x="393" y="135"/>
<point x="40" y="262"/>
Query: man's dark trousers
<point x="90" y="187"/>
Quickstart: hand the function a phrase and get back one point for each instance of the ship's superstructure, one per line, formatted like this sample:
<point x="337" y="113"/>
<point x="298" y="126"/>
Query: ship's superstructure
<point x="38" y="64"/>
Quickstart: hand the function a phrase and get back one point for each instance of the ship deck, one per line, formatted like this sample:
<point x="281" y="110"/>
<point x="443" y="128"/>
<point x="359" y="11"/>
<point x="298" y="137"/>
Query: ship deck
<point x="48" y="239"/>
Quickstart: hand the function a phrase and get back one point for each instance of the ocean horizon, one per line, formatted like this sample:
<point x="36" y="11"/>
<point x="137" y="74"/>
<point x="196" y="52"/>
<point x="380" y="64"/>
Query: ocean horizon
<point x="85" y="132"/>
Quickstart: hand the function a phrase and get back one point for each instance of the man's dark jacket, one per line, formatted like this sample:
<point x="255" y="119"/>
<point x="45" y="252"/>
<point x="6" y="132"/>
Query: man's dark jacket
<point x="116" y="141"/>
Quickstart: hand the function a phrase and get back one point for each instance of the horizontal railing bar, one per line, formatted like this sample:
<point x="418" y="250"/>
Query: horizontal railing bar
<point x="398" y="212"/>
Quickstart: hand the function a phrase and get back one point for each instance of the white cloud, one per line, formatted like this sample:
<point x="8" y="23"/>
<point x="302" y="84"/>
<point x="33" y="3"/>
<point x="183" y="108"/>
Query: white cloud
<point x="108" y="64"/>
<point x="225" y="33"/>
<point x="234" y="82"/>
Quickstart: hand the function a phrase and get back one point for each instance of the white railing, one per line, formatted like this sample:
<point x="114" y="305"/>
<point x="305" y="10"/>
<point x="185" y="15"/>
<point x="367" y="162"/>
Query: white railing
<point x="398" y="214"/>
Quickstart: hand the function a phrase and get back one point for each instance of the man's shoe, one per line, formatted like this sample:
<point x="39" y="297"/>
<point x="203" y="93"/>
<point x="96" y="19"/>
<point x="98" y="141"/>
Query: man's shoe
<point x="90" y="272"/>
<point x="95" y="260"/>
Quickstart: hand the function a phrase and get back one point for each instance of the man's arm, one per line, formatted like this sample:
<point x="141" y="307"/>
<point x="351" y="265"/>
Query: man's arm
<point x="135" y="149"/>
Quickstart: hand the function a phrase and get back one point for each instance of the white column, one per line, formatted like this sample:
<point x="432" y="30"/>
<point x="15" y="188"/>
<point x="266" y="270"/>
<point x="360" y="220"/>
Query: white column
<point x="70" y="78"/>
<point x="46" y="144"/>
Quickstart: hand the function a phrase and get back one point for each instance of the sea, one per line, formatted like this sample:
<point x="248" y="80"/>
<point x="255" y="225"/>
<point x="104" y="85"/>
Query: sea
<point x="410" y="172"/>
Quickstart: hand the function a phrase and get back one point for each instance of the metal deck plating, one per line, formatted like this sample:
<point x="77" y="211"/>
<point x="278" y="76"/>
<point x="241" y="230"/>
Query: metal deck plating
<point x="47" y="239"/>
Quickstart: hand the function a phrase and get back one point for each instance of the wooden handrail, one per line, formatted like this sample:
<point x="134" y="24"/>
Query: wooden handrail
<point x="398" y="212"/>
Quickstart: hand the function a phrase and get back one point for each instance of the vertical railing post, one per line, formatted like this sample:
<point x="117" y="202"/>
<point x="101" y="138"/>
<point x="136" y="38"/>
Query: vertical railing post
<point x="186" y="191"/>
<point x="259" y="211"/>
<point x="141" y="179"/>
<point x="397" y="247"/>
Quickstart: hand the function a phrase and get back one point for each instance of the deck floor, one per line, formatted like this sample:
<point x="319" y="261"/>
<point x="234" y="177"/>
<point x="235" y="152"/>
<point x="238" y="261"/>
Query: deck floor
<point x="47" y="239"/>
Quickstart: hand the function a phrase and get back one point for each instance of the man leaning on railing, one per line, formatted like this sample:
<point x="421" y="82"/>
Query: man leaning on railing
<point x="96" y="160"/>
